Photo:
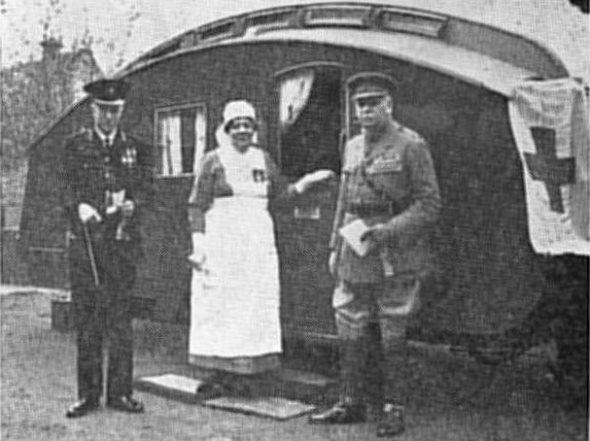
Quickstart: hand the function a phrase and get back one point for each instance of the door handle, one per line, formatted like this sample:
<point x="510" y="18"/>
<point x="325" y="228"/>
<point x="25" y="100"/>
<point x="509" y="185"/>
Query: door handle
<point x="311" y="212"/>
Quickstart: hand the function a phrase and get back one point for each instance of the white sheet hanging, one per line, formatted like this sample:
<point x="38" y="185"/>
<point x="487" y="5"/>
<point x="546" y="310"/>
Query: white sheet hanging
<point x="550" y="125"/>
<point x="294" y="94"/>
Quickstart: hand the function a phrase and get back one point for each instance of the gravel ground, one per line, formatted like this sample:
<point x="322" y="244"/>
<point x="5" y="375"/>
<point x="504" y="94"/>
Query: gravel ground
<point x="453" y="398"/>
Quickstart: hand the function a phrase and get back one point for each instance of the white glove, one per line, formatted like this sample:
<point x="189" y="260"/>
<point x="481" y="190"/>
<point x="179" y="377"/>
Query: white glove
<point x="117" y="200"/>
<point x="310" y="179"/>
<point x="199" y="254"/>
<point x="87" y="213"/>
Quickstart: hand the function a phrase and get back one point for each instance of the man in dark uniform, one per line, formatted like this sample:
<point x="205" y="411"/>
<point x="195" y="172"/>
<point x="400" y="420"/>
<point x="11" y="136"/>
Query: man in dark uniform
<point x="389" y="198"/>
<point x="107" y="186"/>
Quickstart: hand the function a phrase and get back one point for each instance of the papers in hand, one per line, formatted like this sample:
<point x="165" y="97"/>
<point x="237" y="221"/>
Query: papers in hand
<point x="116" y="200"/>
<point x="352" y="234"/>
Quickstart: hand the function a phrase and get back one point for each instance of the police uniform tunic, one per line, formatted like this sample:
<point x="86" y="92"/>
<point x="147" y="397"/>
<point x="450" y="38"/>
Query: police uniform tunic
<point x="389" y="180"/>
<point x="94" y="174"/>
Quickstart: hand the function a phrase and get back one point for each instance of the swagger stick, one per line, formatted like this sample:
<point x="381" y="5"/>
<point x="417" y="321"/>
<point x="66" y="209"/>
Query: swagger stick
<point x="90" y="252"/>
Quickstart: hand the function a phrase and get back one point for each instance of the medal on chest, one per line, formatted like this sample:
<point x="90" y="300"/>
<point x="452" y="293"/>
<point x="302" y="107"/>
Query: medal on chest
<point x="391" y="162"/>
<point x="129" y="157"/>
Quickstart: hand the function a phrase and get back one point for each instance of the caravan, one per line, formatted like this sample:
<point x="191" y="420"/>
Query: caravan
<point x="464" y="86"/>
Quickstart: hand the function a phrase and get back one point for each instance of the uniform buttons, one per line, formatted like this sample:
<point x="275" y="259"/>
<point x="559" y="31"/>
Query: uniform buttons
<point x="107" y="160"/>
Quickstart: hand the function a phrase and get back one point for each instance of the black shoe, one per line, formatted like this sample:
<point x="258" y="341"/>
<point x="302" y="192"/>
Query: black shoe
<point x="125" y="404"/>
<point x="340" y="413"/>
<point x="392" y="421"/>
<point x="82" y="407"/>
<point x="209" y="390"/>
<point x="239" y="389"/>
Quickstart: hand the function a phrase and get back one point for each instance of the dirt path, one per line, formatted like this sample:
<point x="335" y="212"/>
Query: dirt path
<point x="453" y="398"/>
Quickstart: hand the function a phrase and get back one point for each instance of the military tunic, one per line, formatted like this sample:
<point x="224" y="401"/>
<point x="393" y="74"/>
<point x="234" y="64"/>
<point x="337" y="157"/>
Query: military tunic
<point x="93" y="174"/>
<point x="388" y="180"/>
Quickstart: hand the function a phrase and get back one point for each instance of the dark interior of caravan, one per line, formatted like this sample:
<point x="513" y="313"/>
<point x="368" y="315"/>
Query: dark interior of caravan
<point x="312" y="140"/>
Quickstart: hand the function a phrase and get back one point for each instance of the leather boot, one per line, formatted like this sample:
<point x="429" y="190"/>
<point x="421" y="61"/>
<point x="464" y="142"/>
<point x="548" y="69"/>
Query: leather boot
<point x="395" y="371"/>
<point x="353" y="359"/>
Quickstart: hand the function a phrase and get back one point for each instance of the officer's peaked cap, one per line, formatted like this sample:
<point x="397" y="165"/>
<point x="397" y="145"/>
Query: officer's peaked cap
<point x="371" y="84"/>
<point x="108" y="91"/>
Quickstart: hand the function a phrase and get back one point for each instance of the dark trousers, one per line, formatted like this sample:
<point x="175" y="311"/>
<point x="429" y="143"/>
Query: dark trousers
<point x="103" y="319"/>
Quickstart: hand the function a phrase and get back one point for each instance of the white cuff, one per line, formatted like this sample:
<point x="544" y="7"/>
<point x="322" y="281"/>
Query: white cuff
<point x="198" y="240"/>
<point x="299" y="186"/>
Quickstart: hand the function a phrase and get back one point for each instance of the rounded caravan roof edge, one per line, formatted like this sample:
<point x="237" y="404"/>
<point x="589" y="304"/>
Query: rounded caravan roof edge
<point x="46" y="129"/>
<point x="189" y="41"/>
<point x="475" y="80"/>
<point x="239" y="22"/>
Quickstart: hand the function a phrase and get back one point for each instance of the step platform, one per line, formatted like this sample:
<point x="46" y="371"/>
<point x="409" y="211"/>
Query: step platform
<point x="271" y="404"/>
<point x="173" y="386"/>
<point x="269" y="407"/>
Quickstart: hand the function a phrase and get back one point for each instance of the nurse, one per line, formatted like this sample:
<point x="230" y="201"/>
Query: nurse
<point x="235" y="326"/>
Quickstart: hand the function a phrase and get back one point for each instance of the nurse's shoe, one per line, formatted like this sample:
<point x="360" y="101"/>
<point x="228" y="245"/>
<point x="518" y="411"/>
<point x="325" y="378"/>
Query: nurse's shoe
<point x="209" y="389"/>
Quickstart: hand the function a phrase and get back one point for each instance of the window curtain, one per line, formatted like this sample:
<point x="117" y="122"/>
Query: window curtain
<point x="200" y="138"/>
<point x="171" y="143"/>
<point x="294" y="95"/>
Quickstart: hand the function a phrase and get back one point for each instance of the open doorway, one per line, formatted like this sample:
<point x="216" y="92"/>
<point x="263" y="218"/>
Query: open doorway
<point x="311" y="115"/>
<point x="310" y="126"/>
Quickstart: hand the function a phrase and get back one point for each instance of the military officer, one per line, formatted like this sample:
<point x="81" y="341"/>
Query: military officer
<point x="389" y="198"/>
<point x="107" y="186"/>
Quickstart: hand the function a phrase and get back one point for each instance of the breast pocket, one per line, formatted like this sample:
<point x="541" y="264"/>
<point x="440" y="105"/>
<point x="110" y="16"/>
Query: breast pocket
<point x="88" y="160"/>
<point x="93" y="171"/>
<point x="389" y="179"/>
<point x="89" y="171"/>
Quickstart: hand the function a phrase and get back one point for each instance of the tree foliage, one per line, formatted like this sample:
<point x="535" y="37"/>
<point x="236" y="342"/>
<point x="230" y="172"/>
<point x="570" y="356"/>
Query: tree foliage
<point x="33" y="95"/>
<point x="35" y="92"/>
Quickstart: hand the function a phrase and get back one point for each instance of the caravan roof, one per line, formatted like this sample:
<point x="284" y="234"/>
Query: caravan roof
<point x="470" y="51"/>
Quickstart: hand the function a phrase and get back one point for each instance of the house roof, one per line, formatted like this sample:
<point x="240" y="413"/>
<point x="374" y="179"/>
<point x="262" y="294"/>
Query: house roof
<point x="68" y="59"/>
<point x="23" y="83"/>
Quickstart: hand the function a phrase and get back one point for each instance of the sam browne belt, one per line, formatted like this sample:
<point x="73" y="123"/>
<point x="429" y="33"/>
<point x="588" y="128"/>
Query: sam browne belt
<point x="375" y="209"/>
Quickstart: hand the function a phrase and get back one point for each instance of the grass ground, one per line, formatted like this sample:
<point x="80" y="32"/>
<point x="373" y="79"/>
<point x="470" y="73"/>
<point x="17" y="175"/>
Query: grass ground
<point x="452" y="399"/>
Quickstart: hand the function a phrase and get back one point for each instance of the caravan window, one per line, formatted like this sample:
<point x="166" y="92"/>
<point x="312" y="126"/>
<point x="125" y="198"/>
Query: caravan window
<point x="181" y="138"/>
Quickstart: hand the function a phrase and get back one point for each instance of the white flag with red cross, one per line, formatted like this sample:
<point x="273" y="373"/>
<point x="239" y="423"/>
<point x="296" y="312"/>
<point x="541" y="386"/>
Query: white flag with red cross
<point x="550" y="125"/>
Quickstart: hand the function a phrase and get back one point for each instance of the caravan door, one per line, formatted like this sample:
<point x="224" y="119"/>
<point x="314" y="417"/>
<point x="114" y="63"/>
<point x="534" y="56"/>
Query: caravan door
<point x="310" y="126"/>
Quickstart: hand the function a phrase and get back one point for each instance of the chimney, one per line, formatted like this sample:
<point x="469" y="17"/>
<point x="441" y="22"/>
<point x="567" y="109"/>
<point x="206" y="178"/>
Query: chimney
<point x="51" y="47"/>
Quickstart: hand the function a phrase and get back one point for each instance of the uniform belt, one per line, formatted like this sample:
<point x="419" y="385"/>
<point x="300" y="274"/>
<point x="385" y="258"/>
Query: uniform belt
<point x="367" y="210"/>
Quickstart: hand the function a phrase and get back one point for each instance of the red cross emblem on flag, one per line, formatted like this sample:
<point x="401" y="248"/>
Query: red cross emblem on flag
<point x="547" y="167"/>
<point x="550" y="127"/>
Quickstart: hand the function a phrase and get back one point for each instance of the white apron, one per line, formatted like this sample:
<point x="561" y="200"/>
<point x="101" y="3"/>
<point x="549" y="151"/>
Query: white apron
<point x="235" y="300"/>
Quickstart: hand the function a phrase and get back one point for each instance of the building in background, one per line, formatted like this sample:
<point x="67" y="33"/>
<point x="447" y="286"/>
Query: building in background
<point x="34" y="94"/>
